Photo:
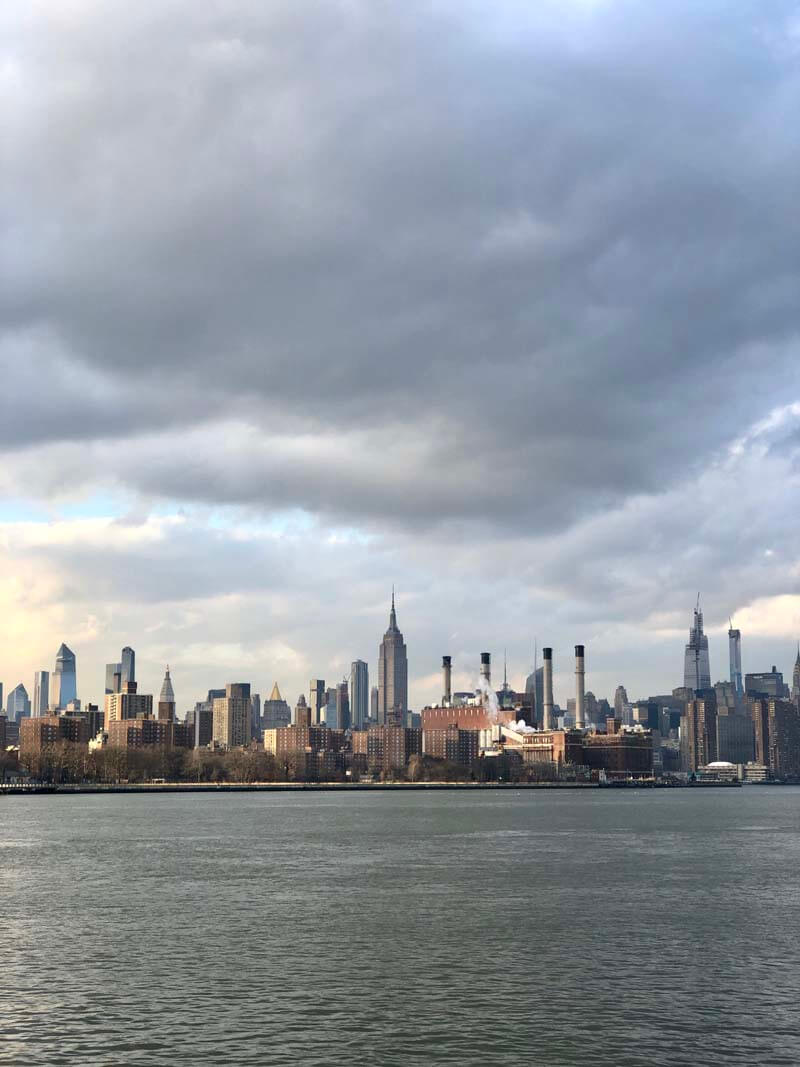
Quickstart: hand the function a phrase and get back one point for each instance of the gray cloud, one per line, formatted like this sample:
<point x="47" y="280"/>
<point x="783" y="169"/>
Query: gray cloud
<point x="479" y="274"/>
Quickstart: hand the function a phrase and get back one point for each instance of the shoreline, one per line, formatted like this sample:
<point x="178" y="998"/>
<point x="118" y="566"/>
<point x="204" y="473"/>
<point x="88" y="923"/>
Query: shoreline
<point x="321" y="787"/>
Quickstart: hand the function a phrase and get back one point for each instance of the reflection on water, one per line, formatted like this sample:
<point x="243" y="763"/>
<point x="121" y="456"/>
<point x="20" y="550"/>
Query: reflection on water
<point x="402" y="928"/>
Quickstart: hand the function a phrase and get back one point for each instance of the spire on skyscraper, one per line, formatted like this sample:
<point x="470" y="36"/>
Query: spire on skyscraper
<point x="696" y="669"/>
<point x="167" y="692"/>
<point x="392" y="673"/>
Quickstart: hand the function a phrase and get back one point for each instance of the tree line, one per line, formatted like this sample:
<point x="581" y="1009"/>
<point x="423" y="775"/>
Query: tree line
<point x="69" y="763"/>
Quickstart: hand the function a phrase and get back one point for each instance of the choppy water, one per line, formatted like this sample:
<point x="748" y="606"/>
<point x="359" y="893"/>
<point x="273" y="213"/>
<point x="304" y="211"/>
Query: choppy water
<point x="402" y="928"/>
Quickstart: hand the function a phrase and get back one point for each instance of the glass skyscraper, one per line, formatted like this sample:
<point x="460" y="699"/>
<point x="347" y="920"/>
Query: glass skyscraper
<point x="359" y="693"/>
<point x="696" y="669"/>
<point x="65" y="687"/>
<point x="41" y="693"/>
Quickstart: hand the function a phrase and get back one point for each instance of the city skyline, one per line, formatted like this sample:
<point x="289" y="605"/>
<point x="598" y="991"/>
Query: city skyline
<point x="465" y="673"/>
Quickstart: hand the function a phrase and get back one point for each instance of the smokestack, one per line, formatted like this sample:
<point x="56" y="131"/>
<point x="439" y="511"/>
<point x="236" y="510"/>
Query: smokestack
<point x="547" y="695"/>
<point x="486" y="667"/>
<point x="580" y="702"/>
<point x="446" y="671"/>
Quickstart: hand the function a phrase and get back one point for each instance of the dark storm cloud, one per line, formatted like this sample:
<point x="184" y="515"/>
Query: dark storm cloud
<point x="563" y="246"/>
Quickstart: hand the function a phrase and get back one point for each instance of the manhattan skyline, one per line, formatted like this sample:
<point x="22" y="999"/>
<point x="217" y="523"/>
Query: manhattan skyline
<point x="531" y="356"/>
<point x="465" y="674"/>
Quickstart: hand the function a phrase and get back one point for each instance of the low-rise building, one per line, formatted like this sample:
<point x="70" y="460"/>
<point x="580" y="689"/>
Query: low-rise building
<point x="451" y="743"/>
<point x="389" y="748"/>
<point x="150" y="732"/>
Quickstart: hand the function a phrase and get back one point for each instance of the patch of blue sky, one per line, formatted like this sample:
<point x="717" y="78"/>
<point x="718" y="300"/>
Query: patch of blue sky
<point x="97" y="505"/>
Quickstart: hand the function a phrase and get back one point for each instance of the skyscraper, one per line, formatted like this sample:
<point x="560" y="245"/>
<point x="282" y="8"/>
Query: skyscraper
<point x="699" y="731"/>
<point x="117" y="674"/>
<point x="166" y="700"/>
<point x="231" y="724"/>
<point x="19" y="705"/>
<point x="392" y="674"/>
<point x="696" y="669"/>
<point x="373" y="703"/>
<point x="255" y="716"/>
<point x="65" y="687"/>
<point x="113" y="676"/>
<point x="41" y="693"/>
<point x="302" y="713"/>
<point x="342" y="706"/>
<point x="534" y="688"/>
<point x="359" y="693"/>
<point x="317" y="699"/>
<point x="796" y="677"/>
<point x="276" y="711"/>
<point x="127" y="666"/>
<point x="735" y="652"/>
<point x="620" y="700"/>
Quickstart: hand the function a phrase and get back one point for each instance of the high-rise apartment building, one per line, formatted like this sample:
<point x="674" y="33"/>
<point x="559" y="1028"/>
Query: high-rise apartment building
<point x="317" y="700"/>
<point x="232" y="716"/>
<point x="166" y="700"/>
<point x="776" y="723"/>
<point x="392" y="674"/>
<point x="696" y="668"/>
<point x="359" y="694"/>
<point x="41" y="693"/>
<point x="64" y="680"/>
<point x="201" y="718"/>
<point x="128" y="704"/>
<point x="735" y="655"/>
<point x="699" y="730"/>
<point x="19" y="705"/>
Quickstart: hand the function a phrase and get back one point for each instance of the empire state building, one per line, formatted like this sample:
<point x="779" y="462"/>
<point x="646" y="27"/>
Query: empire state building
<point x="392" y="675"/>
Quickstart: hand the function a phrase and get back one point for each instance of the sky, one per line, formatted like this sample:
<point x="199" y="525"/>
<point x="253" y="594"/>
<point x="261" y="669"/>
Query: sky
<point x="493" y="301"/>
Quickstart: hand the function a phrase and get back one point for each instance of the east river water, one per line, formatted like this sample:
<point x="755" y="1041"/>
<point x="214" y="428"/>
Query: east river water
<point x="612" y="928"/>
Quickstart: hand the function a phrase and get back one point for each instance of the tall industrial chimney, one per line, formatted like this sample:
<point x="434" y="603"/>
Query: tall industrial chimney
<point x="547" y="695"/>
<point x="447" y="699"/>
<point x="580" y="702"/>
<point x="486" y="667"/>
